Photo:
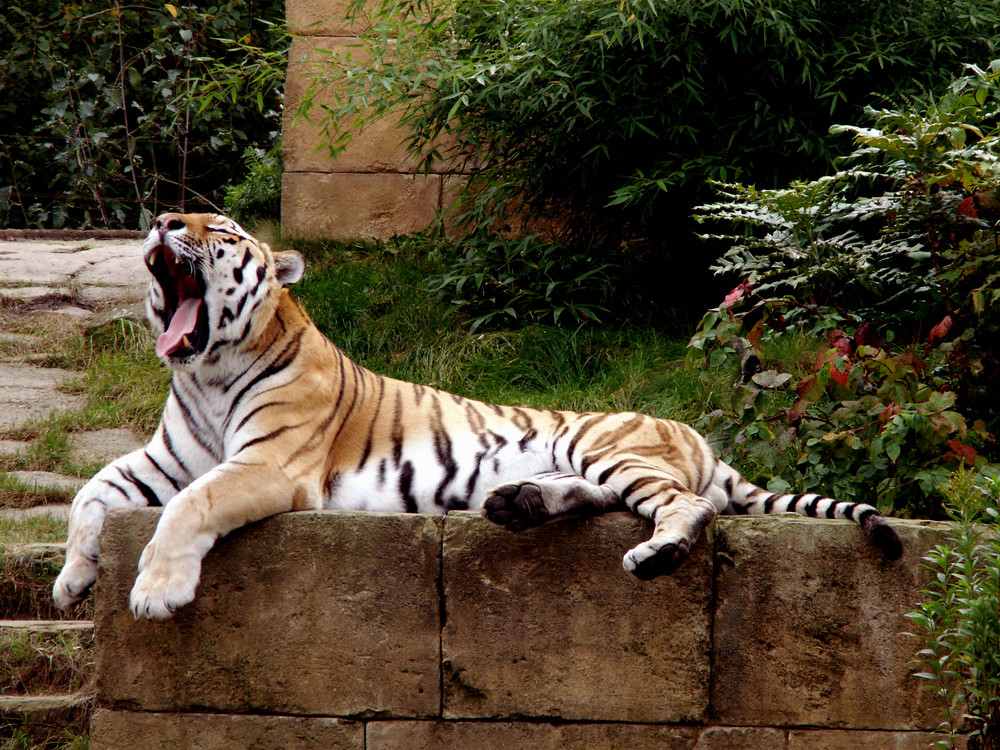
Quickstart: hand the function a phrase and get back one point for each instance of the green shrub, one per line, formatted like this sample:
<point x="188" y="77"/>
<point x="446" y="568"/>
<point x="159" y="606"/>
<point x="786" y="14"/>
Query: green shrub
<point x="960" y="620"/>
<point x="895" y="261"/>
<point x="528" y="279"/>
<point x="604" y="117"/>
<point x="112" y="112"/>
<point x="258" y="196"/>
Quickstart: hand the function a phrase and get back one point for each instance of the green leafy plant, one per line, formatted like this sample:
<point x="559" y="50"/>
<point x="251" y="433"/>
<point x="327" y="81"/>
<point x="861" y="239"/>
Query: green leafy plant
<point x="960" y="619"/>
<point x="113" y="112"/>
<point x="527" y="279"/>
<point x="595" y="124"/>
<point x="895" y="261"/>
<point x="258" y="196"/>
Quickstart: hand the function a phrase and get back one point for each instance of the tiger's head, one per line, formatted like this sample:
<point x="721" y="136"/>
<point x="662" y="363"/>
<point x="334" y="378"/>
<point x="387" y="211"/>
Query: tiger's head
<point x="213" y="286"/>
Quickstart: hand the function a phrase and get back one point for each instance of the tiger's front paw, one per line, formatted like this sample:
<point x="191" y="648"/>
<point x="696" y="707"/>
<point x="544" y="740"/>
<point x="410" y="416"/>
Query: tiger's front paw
<point x="74" y="581"/>
<point x="516" y="506"/>
<point x="160" y="590"/>
<point x="655" y="558"/>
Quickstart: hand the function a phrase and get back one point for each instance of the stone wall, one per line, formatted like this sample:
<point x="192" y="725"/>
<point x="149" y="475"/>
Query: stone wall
<point x="372" y="189"/>
<point x="342" y="630"/>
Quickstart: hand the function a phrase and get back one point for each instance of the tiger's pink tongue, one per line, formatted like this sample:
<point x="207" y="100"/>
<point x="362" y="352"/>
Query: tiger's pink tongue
<point x="183" y="322"/>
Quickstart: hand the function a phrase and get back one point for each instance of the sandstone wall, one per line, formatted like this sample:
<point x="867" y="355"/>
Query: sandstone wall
<point x="372" y="189"/>
<point x="343" y="630"/>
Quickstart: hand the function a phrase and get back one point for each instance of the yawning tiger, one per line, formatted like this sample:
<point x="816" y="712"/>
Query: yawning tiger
<point x="265" y="415"/>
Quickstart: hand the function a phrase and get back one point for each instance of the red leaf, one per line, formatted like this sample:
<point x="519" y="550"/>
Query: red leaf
<point x="968" y="208"/>
<point x="840" y="376"/>
<point x="840" y="341"/>
<point x="964" y="452"/>
<point x="810" y="389"/>
<point x="941" y="329"/>
<point x="909" y="359"/>
<point x="797" y="410"/>
<point x="888" y="413"/>
<point x="737" y="294"/>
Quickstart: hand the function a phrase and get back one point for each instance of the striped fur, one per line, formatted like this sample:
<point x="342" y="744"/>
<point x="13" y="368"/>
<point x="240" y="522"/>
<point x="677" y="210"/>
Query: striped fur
<point x="265" y="415"/>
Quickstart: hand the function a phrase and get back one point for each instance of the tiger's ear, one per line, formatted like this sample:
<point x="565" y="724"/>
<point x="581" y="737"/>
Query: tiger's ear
<point x="289" y="267"/>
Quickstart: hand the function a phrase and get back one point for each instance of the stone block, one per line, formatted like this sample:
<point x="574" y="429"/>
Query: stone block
<point x="128" y="730"/>
<point x="809" y="621"/>
<point x="741" y="738"/>
<point x="545" y="623"/>
<point x="832" y="739"/>
<point x="461" y="735"/>
<point x="323" y="18"/>
<point x="379" y="147"/>
<point x="353" y="206"/>
<point x="322" y="613"/>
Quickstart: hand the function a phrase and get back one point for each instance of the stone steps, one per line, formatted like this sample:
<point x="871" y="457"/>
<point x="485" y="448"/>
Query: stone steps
<point x="45" y="657"/>
<point x="27" y="572"/>
<point x="43" y="720"/>
<point x="46" y="660"/>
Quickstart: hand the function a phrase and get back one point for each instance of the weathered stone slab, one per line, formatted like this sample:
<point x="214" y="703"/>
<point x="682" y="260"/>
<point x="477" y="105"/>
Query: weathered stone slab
<point x="103" y="446"/>
<point x="462" y="735"/>
<point x="13" y="447"/>
<point x="127" y="730"/>
<point x="827" y="739"/>
<point x="48" y="480"/>
<point x="323" y="18"/>
<point x="320" y="613"/>
<point x="741" y="738"/>
<point x="546" y="623"/>
<point x="351" y="206"/>
<point x="809" y="621"/>
<point x="110" y="262"/>
<point x="29" y="392"/>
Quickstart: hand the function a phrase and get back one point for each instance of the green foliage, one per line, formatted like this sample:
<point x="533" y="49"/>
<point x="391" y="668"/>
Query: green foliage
<point x="960" y="619"/>
<point x="528" y="279"/>
<point x="901" y="251"/>
<point x="598" y="121"/>
<point x="113" y="112"/>
<point x="258" y="197"/>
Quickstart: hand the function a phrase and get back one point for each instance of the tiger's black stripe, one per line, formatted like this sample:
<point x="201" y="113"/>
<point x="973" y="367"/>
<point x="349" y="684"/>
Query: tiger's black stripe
<point x="406" y="487"/>
<point x="147" y="492"/>
<point x="118" y="487"/>
<point x="442" y="450"/>
<point x="174" y="483"/>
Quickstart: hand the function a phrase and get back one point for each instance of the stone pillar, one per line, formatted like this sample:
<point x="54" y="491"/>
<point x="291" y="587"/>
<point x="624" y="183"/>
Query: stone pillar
<point x="372" y="189"/>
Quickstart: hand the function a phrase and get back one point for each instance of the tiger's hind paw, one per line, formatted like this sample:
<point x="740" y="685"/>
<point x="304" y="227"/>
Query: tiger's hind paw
<point x="516" y="506"/>
<point x="651" y="559"/>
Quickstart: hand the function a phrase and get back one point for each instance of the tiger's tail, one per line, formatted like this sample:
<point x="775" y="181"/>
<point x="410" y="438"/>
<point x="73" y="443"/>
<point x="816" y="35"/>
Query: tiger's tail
<point x="746" y="498"/>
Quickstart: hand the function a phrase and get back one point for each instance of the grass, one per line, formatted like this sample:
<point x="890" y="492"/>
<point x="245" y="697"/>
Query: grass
<point x="40" y="529"/>
<point x="23" y="739"/>
<point x="34" y="663"/>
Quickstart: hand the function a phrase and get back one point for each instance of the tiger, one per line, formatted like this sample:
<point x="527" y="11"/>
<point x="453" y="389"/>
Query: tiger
<point x="265" y="415"/>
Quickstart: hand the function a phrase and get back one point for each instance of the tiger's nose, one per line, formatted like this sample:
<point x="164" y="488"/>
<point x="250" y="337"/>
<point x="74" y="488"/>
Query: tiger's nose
<point x="168" y="223"/>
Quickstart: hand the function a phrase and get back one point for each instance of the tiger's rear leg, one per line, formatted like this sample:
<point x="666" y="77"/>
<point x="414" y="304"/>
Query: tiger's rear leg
<point x="680" y="518"/>
<point x="537" y="498"/>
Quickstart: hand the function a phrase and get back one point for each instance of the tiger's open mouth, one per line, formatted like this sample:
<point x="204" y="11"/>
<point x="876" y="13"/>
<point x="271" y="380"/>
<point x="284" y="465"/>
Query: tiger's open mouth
<point x="186" y="315"/>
